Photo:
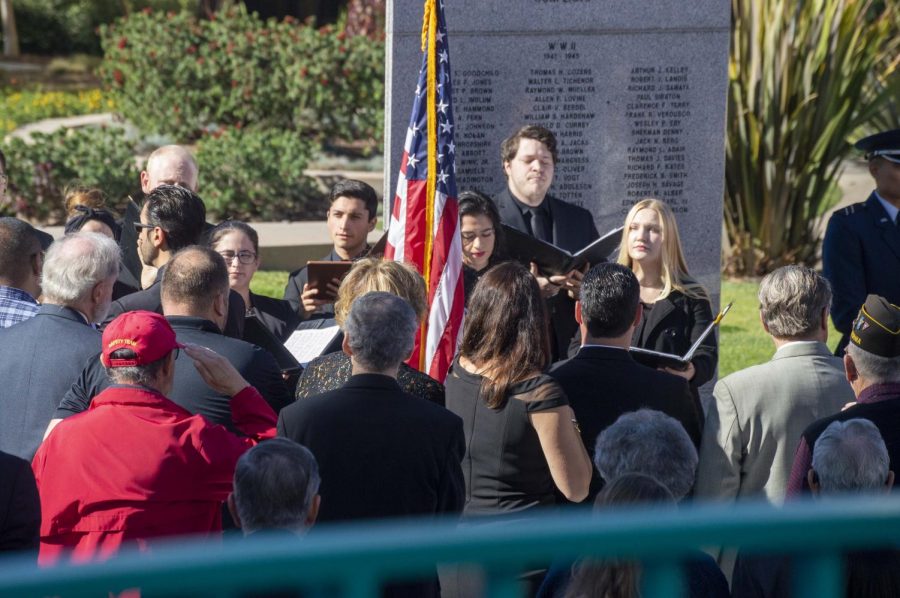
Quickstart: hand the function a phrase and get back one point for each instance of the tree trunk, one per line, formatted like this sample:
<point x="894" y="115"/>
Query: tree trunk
<point x="10" y="36"/>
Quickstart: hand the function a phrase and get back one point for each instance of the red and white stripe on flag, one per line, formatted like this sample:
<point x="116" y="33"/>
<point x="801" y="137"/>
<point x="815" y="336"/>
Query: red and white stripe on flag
<point x="424" y="221"/>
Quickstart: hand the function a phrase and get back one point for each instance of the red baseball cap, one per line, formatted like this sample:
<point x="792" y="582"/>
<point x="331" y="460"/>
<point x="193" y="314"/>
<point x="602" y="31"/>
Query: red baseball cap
<point x="146" y="333"/>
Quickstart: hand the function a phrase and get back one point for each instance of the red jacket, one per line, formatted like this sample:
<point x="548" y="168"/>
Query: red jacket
<point x="135" y="467"/>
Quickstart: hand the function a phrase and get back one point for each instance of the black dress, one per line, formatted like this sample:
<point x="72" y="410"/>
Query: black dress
<point x="504" y="466"/>
<point x="331" y="371"/>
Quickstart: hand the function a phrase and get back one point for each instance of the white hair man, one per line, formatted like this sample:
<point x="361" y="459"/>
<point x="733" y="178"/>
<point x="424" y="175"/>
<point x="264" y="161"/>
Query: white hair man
<point x="41" y="357"/>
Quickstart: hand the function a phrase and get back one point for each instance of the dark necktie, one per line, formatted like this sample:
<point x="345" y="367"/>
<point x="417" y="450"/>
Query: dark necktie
<point x="540" y="225"/>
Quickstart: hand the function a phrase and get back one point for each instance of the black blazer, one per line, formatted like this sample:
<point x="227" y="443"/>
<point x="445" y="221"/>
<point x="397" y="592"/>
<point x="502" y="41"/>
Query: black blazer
<point x="39" y="360"/>
<point x="381" y="452"/>
<point x="20" y="506"/>
<point x="189" y="390"/>
<point x="603" y="383"/>
<point x="673" y="325"/>
<point x="149" y="300"/>
<point x="276" y="314"/>
<point x="573" y="229"/>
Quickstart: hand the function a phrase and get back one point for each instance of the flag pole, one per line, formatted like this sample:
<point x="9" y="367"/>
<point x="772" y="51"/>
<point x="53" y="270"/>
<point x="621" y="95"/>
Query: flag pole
<point x="429" y="32"/>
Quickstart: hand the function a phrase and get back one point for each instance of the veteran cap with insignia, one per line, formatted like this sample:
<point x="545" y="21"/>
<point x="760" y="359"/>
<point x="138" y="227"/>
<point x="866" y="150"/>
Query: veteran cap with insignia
<point x="885" y="145"/>
<point x="877" y="327"/>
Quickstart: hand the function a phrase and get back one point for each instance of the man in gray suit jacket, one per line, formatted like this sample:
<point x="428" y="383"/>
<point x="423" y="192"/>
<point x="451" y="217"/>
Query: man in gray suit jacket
<point x="757" y="417"/>
<point x="42" y="356"/>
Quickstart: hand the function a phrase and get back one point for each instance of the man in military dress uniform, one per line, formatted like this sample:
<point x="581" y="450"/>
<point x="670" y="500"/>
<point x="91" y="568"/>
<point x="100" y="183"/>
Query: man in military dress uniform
<point x="861" y="252"/>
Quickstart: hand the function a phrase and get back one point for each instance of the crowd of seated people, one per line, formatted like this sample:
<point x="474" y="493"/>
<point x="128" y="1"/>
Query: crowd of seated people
<point x="120" y="386"/>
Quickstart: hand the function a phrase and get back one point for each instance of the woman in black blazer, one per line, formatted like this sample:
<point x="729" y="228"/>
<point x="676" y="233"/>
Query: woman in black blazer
<point x="676" y="307"/>
<point x="238" y="243"/>
<point x="482" y="237"/>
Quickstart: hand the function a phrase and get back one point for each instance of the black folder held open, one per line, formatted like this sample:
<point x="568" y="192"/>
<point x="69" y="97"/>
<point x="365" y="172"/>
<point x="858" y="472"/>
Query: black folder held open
<point x="553" y="260"/>
<point x="658" y="359"/>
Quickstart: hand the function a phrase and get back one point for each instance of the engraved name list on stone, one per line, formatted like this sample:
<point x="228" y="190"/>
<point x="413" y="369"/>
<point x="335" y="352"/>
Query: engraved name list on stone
<point x="657" y="111"/>
<point x="473" y="91"/>
<point x="557" y="92"/>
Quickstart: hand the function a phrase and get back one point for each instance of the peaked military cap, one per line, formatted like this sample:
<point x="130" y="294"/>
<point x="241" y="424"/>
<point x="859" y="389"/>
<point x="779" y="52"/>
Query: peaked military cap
<point x="885" y="145"/>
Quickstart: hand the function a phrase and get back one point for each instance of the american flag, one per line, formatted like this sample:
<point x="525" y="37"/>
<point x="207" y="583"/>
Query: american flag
<point x="424" y="226"/>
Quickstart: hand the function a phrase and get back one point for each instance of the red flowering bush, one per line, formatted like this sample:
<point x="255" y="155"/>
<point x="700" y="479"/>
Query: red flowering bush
<point x="238" y="69"/>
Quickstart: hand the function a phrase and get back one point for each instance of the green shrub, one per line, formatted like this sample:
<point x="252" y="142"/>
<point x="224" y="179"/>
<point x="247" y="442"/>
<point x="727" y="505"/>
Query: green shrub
<point x="67" y="26"/>
<point x="256" y="174"/>
<point x="39" y="172"/>
<point x="800" y="85"/>
<point x="173" y="74"/>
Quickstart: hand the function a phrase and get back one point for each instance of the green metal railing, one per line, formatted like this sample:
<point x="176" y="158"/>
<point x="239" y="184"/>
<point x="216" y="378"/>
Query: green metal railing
<point x="353" y="561"/>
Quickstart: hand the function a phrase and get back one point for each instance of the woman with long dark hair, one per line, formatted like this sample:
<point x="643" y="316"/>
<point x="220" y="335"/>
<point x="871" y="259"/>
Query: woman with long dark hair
<point x="522" y="440"/>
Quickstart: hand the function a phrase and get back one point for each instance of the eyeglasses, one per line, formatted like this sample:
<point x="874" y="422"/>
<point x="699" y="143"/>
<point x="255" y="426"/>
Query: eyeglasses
<point x="244" y="257"/>
<point x="139" y="226"/>
<point x="485" y="234"/>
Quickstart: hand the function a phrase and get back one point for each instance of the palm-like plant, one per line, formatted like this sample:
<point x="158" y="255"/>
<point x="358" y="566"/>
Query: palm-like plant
<point x="800" y="83"/>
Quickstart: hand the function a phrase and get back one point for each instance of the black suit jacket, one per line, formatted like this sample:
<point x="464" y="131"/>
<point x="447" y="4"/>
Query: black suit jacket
<point x="150" y="300"/>
<point x="189" y="390"/>
<point x="381" y="452"/>
<point x="20" y="506"/>
<point x="573" y="229"/>
<point x="39" y="360"/>
<point x="603" y="383"/>
<point x="276" y="314"/>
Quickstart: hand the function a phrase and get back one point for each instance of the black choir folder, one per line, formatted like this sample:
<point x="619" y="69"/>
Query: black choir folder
<point x="658" y="359"/>
<point x="553" y="260"/>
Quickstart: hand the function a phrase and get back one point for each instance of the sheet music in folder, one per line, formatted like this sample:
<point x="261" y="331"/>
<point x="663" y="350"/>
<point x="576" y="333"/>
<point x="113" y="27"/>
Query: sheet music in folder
<point x="308" y="343"/>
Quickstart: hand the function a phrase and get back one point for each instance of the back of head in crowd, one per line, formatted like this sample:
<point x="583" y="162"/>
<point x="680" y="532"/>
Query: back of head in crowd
<point x="86" y="212"/>
<point x="610" y="296"/>
<point x="648" y="442"/>
<point x="506" y="330"/>
<point x="850" y="456"/>
<point x="354" y="189"/>
<point x="613" y="578"/>
<point x="177" y="211"/>
<point x="373" y="274"/>
<point x="794" y="303"/>
<point x="20" y="255"/>
<point x="874" y="348"/>
<point x="673" y="266"/>
<point x="510" y="146"/>
<point x="276" y="487"/>
<point x="380" y="331"/>
<point x="79" y="271"/>
<point x="194" y="280"/>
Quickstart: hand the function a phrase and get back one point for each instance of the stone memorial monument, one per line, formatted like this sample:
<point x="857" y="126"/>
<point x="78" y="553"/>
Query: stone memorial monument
<point x="634" y="91"/>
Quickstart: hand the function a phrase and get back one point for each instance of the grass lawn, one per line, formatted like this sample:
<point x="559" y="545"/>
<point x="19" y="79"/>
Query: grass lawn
<point x="742" y="342"/>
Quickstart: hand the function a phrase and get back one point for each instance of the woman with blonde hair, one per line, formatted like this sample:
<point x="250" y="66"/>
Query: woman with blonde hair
<point x="676" y="307"/>
<point x="331" y="371"/>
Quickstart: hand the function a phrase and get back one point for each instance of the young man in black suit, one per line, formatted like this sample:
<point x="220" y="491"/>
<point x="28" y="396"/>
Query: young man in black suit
<point x="602" y="381"/>
<point x="351" y="216"/>
<point x="529" y="159"/>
